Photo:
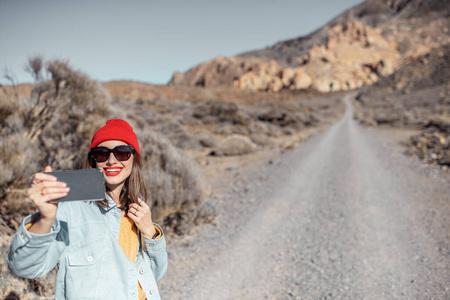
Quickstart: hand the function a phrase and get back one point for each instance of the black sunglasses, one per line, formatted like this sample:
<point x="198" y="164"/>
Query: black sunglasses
<point x="101" y="154"/>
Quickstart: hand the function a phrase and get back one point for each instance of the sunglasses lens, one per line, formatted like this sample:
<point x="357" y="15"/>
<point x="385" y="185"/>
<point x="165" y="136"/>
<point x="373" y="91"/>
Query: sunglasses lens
<point x="122" y="152"/>
<point x="100" y="154"/>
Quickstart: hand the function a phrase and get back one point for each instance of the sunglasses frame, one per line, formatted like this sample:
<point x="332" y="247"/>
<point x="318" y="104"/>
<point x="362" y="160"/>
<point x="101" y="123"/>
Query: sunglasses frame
<point x="128" y="148"/>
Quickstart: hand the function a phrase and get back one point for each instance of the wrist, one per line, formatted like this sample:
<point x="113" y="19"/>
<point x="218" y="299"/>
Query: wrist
<point x="46" y="219"/>
<point x="150" y="233"/>
<point x="41" y="226"/>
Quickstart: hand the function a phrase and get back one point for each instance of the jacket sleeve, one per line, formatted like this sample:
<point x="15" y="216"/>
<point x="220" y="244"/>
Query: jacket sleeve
<point x="34" y="255"/>
<point x="157" y="253"/>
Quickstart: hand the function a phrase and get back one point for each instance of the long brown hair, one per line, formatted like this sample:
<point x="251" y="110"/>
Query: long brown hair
<point x="133" y="188"/>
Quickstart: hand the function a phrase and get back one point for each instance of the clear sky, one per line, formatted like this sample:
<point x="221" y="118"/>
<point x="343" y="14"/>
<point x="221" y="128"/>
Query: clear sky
<point x="149" y="40"/>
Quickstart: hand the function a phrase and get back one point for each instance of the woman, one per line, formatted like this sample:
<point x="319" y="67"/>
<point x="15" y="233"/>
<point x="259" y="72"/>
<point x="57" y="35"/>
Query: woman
<point x="103" y="250"/>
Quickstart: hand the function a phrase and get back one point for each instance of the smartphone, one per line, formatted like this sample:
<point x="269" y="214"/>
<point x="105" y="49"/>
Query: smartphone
<point x="84" y="184"/>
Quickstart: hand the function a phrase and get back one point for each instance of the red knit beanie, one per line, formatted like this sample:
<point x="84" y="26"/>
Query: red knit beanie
<point x="116" y="129"/>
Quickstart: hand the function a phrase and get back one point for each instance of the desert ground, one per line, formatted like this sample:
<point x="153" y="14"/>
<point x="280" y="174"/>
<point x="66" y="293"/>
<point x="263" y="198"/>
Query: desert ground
<point x="345" y="215"/>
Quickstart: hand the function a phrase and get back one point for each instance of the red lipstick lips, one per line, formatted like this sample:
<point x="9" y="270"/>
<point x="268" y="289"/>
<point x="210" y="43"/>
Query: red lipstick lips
<point x="112" y="171"/>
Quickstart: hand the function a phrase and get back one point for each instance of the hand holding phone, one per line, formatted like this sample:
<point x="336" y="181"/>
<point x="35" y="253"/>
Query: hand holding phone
<point x="42" y="192"/>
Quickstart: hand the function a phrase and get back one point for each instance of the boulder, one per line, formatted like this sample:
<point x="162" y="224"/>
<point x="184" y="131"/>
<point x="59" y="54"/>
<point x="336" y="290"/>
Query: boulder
<point x="302" y="80"/>
<point x="235" y="145"/>
<point x="288" y="76"/>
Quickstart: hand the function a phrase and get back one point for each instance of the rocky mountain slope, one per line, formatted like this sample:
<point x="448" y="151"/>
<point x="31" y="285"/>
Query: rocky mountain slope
<point x="366" y="42"/>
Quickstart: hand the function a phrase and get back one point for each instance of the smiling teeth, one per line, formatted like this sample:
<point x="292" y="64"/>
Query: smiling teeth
<point x="113" y="170"/>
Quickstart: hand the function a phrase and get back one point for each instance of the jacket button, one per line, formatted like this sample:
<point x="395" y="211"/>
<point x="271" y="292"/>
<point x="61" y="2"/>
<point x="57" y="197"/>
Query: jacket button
<point x="152" y="292"/>
<point x="141" y="271"/>
<point x="151" y="245"/>
<point x="22" y="235"/>
<point x="89" y="258"/>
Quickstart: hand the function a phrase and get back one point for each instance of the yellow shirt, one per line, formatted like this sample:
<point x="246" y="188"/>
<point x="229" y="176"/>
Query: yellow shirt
<point x="129" y="242"/>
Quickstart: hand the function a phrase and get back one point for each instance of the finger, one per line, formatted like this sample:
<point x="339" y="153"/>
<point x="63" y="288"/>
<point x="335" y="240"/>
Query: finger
<point x="47" y="194"/>
<point x="140" y="213"/>
<point x="134" y="206"/>
<point x="142" y="204"/>
<point x="42" y="176"/>
<point x="137" y="216"/>
<point x="53" y="190"/>
<point x="131" y="210"/>
<point x="138" y="202"/>
<point x="138" y="209"/>
<point x="54" y="196"/>
<point x="34" y="180"/>
<point x="48" y="169"/>
<point x="47" y="184"/>
<point x="145" y="205"/>
<point x="132" y="216"/>
<point x="30" y="192"/>
<point x="48" y="187"/>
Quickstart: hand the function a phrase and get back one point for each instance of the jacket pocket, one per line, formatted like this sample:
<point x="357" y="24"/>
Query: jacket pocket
<point x="84" y="269"/>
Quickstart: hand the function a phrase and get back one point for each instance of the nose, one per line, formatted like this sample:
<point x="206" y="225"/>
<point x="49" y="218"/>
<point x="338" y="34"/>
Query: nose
<point x="111" y="159"/>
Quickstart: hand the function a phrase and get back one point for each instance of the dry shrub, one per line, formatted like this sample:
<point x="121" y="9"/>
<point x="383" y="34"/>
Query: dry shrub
<point x="51" y="127"/>
<point x="206" y="139"/>
<point x="173" y="181"/>
<point x="178" y="135"/>
<point x="265" y="128"/>
<point x="7" y="107"/>
<point x="235" y="145"/>
<point x="212" y="112"/>
<point x="17" y="160"/>
<point x="260" y="139"/>
<point x="289" y="114"/>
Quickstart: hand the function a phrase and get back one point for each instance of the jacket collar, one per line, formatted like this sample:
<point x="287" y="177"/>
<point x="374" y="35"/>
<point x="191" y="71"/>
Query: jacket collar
<point x="110" y="202"/>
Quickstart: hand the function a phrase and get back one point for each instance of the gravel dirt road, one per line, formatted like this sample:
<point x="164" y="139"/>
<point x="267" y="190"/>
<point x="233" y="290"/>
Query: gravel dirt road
<point x="343" y="216"/>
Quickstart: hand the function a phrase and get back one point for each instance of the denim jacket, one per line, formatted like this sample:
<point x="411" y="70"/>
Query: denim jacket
<point x="91" y="264"/>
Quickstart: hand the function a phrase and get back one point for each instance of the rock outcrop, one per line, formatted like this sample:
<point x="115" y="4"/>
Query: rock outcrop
<point x="355" y="55"/>
<point x="357" y="48"/>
